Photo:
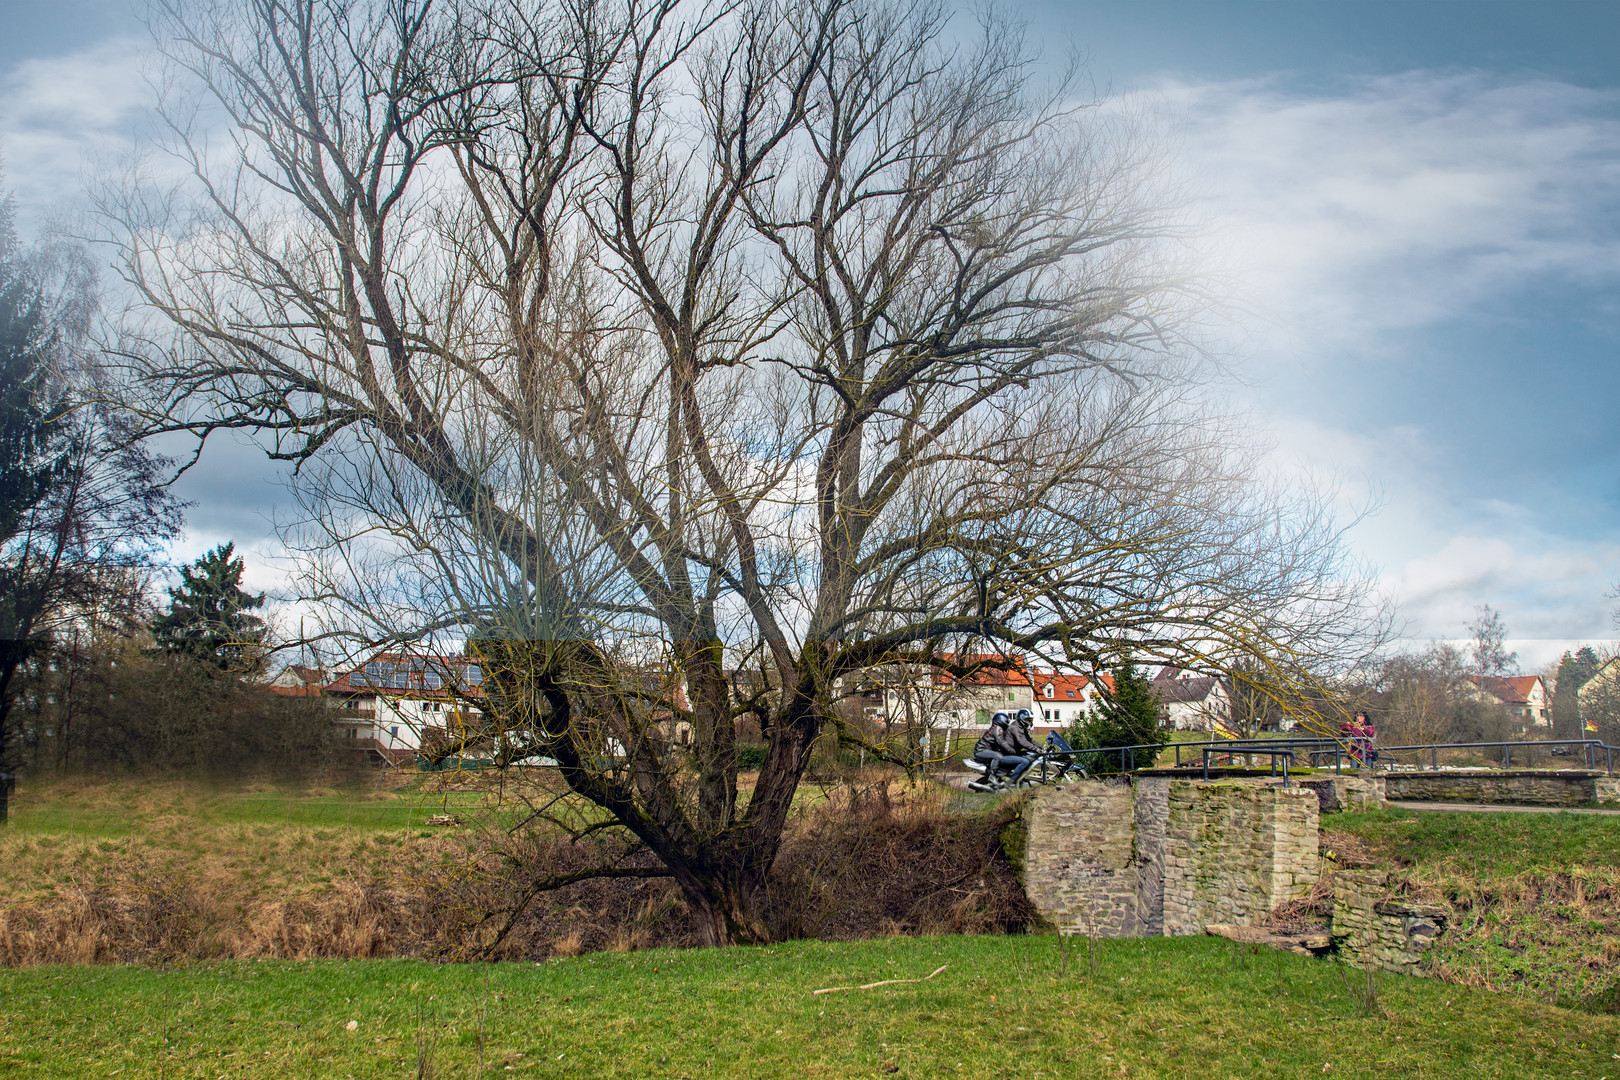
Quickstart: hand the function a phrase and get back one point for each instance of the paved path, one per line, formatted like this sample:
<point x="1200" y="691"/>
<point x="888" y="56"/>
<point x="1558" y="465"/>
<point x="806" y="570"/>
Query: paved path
<point x="1494" y="808"/>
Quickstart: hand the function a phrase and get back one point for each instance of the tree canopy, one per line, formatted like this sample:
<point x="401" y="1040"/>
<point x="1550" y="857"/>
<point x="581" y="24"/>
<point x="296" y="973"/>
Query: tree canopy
<point x="695" y="360"/>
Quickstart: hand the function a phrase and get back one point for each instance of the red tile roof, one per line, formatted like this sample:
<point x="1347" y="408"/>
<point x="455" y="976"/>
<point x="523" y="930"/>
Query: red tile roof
<point x="1511" y="690"/>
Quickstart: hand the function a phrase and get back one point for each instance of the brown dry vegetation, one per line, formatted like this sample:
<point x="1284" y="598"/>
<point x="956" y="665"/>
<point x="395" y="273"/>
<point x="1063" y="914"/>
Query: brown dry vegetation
<point x="167" y="875"/>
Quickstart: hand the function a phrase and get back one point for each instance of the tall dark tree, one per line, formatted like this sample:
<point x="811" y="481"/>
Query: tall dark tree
<point x="28" y="468"/>
<point x="1574" y="669"/>
<point x="83" y="504"/>
<point x="210" y="617"/>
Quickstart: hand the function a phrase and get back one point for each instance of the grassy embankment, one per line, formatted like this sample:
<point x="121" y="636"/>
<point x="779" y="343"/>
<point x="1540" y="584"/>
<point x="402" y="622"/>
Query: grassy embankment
<point x="194" y="869"/>
<point x="1014" y="1007"/>
<point x="1535" y="898"/>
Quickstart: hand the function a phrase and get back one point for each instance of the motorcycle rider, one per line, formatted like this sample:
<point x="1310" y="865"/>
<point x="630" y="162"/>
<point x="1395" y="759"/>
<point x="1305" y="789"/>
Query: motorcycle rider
<point x="1020" y="733"/>
<point x="1006" y="746"/>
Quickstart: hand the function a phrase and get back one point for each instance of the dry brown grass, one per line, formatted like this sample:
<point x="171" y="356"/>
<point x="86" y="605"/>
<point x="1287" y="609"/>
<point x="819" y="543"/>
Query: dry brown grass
<point x="165" y="878"/>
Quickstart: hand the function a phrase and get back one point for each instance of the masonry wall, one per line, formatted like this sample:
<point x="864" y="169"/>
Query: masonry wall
<point x="1235" y="851"/>
<point x="1080" y="867"/>
<point x="1532" y="788"/>
<point x="1371" y="928"/>
<point x="1342" y="792"/>
<point x="1152" y="818"/>
<point x="1161" y="856"/>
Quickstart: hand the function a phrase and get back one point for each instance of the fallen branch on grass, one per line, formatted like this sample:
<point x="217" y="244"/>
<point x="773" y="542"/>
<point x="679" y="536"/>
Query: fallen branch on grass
<point x="885" y="982"/>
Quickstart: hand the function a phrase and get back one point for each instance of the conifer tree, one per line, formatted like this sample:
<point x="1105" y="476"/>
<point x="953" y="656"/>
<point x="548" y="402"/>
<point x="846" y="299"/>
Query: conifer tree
<point x="210" y="617"/>
<point x="1128" y="717"/>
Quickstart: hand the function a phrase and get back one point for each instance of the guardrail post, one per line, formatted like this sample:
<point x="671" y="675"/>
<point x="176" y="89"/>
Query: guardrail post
<point x="1507" y="756"/>
<point x="1434" y="760"/>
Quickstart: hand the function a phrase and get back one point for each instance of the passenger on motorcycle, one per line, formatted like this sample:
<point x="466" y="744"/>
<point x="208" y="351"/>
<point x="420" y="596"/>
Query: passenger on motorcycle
<point x="1006" y="747"/>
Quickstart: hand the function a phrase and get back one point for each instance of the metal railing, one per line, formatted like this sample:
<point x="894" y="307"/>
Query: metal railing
<point x="1320" y="750"/>
<point x="1590" y="748"/>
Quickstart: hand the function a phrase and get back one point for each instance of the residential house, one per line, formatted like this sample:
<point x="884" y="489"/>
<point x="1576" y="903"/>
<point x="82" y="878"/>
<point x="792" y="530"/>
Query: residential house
<point x="1191" y="702"/>
<point x="297" y="680"/>
<point x="1523" y="696"/>
<point x="1599" y="696"/>
<point x="924" y="695"/>
<point x="394" y="701"/>
<point x="1062" y="698"/>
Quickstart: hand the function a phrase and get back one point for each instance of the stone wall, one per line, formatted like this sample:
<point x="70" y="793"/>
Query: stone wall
<point x="1370" y="927"/>
<point x="1342" y="792"/>
<point x="1159" y="856"/>
<point x="1496" y="786"/>
<point x="1234" y="851"/>
<point x="1080" y="866"/>
<point x="1152" y="815"/>
<point x="1606" y="789"/>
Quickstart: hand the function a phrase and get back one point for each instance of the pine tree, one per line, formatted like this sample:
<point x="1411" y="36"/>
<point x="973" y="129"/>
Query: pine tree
<point x="31" y="464"/>
<point x="209" y="615"/>
<point x="1128" y="717"/>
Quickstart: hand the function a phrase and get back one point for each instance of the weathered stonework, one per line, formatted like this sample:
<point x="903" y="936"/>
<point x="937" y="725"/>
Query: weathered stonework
<point x="1234" y="851"/>
<point x="1372" y="928"/>
<point x="1152" y="816"/>
<point x="1342" y="792"/>
<point x="1080" y="868"/>
<point x="1606" y="789"/>
<point x="1159" y="856"/>
<point x="1568" y="788"/>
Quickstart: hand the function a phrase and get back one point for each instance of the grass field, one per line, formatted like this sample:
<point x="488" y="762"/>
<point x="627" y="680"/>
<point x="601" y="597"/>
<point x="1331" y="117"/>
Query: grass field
<point x="1187" y="1007"/>
<point x="1534" y="898"/>
<point x="1487" y="845"/>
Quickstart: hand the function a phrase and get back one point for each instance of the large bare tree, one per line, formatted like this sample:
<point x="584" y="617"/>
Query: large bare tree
<point x="645" y="344"/>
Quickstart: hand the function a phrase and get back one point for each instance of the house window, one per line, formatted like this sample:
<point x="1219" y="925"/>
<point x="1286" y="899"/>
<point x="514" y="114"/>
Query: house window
<point x="1051" y="691"/>
<point x="393" y="732"/>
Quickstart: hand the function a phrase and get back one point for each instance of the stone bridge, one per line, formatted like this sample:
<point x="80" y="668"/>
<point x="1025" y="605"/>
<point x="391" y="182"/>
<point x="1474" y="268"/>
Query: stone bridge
<point x="1150" y="855"/>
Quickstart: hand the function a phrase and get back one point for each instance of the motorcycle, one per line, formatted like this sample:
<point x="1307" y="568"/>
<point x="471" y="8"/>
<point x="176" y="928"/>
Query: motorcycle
<point x="1057" y="766"/>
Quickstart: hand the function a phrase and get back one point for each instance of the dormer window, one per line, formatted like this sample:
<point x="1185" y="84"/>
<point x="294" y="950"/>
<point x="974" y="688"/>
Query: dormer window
<point x="1051" y="691"/>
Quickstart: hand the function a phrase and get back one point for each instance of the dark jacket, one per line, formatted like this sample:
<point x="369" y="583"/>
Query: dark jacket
<point x="1018" y="738"/>
<point x="994" y="742"/>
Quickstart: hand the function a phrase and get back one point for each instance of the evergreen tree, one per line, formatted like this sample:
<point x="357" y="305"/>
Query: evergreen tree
<point x="1128" y="717"/>
<point x="83" y="503"/>
<point x="27" y="426"/>
<point x="1574" y="669"/>
<point x="210" y="617"/>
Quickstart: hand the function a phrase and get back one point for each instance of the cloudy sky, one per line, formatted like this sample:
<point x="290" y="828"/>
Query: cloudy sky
<point x="1415" y="209"/>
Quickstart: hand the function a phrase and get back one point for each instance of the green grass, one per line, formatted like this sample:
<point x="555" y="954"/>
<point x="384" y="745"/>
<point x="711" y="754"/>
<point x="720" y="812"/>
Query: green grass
<point x="1492" y="845"/>
<point x="1182" y="1007"/>
<point x="135" y="806"/>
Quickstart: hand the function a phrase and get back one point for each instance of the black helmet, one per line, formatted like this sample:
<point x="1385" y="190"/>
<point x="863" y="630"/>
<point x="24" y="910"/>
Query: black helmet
<point x="1025" y="716"/>
<point x="1001" y="719"/>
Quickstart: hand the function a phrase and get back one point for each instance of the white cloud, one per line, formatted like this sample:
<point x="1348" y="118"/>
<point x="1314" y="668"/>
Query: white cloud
<point x="1403" y="200"/>
<point x="1349" y="223"/>
<point x="58" y="114"/>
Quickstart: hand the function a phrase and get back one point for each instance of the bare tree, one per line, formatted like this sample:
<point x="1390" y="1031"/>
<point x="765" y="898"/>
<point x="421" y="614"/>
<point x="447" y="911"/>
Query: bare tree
<point x="640" y="343"/>
<point x="1488" y="649"/>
